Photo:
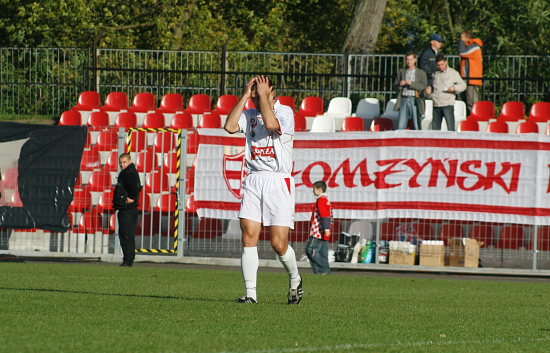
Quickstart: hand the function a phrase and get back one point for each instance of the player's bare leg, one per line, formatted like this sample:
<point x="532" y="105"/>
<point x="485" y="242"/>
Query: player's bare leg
<point x="249" y="259"/>
<point x="279" y="242"/>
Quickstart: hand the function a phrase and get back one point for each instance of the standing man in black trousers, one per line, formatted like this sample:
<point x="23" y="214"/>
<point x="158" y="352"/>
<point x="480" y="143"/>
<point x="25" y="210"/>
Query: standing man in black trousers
<point x="126" y="201"/>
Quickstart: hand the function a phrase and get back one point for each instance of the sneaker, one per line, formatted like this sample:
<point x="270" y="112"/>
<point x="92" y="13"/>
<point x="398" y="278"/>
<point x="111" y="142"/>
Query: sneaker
<point x="246" y="300"/>
<point x="295" y="295"/>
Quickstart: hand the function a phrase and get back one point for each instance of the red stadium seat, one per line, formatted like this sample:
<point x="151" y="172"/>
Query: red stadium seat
<point x="98" y="120"/>
<point x="190" y="175"/>
<point x="312" y="106"/>
<point x="300" y="122"/>
<point x="157" y="182"/>
<point x="107" y="141"/>
<point x="167" y="203"/>
<point x="171" y="162"/>
<point x="543" y="235"/>
<point x="540" y="112"/>
<point x="388" y="230"/>
<point x="82" y="200"/>
<point x="116" y="101"/>
<point x="249" y="104"/>
<point x="144" y="102"/>
<point x="199" y="104"/>
<point x="468" y="125"/>
<point x="381" y="124"/>
<point x="182" y="121"/>
<point x="88" y="100"/>
<point x="483" y="233"/>
<point x="126" y="120"/>
<point x="78" y="183"/>
<point x="165" y="141"/>
<point x="106" y="201"/>
<point x="510" y="237"/>
<point x="70" y="117"/>
<point x="226" y="103"/>
<point x="147" y="161"/>
<point x="145" y="202"/>
<point x="90" y="222"/>
<point x="353" y="124"/>
<point x="527" y="126"/>
<point x="112" y="162"/>
<point x="211" y="121"/>
<point x="139" y="141"/>
<point x="499" y="127"/>
<point x="100" y="180"/>
<point x="288" y="101"/>
<point x="209" y="228"/>
<point x="193" y="143"/>
<point x="91" y="159"/>
<point x="512" y="111"/>
<point x="450" y="230"/>
<point x="483" y="111"/>
<point x="154" y="121"/>
<point x="171" y="103"/>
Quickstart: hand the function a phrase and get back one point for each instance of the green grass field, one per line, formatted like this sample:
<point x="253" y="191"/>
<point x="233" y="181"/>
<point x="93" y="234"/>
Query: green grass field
<point x="105" y="308"/>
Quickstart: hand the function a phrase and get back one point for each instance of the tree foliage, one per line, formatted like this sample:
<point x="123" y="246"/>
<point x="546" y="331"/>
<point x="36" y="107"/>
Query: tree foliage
<point x="507" y="26"/>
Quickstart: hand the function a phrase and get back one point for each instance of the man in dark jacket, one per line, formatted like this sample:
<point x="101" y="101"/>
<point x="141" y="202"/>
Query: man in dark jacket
<point x="126" y="201"/>
<point x="426" y="61"/>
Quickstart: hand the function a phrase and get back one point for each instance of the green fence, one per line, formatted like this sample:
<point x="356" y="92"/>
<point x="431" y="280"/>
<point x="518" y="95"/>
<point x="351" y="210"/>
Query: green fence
<point x="49" y="80"/>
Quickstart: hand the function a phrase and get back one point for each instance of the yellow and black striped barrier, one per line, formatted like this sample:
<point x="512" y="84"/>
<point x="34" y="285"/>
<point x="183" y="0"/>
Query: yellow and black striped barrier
<point x="176" y="213"/>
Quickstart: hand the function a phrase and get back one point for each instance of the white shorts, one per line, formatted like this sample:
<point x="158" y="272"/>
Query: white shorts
<point x="268" y="198"/>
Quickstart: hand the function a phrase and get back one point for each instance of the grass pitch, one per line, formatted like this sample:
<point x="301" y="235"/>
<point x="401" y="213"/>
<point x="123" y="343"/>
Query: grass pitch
<point x="106" y="308"/>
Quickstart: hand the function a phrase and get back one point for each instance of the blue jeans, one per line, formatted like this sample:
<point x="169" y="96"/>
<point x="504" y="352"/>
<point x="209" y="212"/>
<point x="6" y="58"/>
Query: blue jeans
<point x="449" y="113"/>
<point x="408" y="109"/>
<point x="317" y="253"/>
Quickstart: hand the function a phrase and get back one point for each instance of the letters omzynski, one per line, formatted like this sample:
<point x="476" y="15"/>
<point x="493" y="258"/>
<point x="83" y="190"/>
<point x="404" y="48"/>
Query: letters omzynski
<point x="469" y="175"/>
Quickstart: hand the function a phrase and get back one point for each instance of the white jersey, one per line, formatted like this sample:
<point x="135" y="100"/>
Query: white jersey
<point x="268" y="151"/>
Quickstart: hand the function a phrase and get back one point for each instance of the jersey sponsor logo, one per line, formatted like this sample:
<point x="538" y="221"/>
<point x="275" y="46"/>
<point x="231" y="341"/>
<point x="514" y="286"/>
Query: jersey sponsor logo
<point x="234" y="173"/>
<point x="263" y="152"/>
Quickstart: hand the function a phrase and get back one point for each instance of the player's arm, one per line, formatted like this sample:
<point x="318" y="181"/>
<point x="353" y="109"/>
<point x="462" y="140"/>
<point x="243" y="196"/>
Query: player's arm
<point x="232" y="122"/>
<point x="264" y="91"/>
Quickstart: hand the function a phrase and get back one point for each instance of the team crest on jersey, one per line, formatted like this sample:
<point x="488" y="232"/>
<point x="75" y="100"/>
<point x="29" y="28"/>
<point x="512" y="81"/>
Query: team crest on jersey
<point x="234" y="173"/>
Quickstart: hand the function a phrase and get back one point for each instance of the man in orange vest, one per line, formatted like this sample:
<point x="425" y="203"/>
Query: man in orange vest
<point x="471" y="66"/>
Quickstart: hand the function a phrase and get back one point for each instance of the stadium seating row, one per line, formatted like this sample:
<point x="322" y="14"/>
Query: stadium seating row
<point x="501" y="236"/>
<point x="310" y="117"/>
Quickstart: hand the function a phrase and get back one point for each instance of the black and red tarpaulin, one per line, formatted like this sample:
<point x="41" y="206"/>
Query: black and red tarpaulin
<point x="39" y="166"/>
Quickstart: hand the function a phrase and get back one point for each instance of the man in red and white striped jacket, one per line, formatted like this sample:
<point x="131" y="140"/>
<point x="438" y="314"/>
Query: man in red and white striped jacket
<point x="319" y="234"/>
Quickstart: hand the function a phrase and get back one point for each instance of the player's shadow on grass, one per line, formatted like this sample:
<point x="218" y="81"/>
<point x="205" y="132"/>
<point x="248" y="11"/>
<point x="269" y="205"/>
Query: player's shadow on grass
<point x="152" y="296"/>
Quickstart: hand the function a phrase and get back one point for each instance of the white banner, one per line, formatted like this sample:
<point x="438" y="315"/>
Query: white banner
<point x="407" y="174"/>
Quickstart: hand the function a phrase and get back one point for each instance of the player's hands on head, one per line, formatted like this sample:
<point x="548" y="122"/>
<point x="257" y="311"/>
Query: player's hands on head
<point x="263" y="86"/>
<point x="248" y="88"/>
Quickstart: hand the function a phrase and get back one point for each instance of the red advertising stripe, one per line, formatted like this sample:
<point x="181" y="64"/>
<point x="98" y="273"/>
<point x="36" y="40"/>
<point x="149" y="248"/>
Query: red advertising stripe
<point x="424" y="142"/>
<point x="222" y="140"/>
<point x="441" y="206"/>
<point x="387" y="142"/>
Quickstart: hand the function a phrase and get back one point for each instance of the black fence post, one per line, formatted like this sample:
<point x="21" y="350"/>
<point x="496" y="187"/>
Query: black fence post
<point x="223" y="56"/>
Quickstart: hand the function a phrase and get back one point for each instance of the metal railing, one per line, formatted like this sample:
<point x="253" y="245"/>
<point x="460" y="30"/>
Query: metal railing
<point x="49" y="80"/>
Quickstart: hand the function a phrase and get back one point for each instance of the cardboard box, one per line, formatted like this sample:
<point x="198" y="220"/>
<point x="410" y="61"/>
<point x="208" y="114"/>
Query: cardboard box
<point x="432" y="255"/>
<point x="401" y="258"/>
<point x="463" y="252"/>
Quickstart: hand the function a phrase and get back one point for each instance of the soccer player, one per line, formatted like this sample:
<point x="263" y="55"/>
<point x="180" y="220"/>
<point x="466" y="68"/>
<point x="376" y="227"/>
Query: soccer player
<point x="268" y="190"/>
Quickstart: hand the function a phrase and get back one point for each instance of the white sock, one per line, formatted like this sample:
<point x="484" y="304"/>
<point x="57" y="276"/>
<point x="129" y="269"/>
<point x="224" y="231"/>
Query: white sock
<point x="289" y="262"/>
<point x="249" y="265"/>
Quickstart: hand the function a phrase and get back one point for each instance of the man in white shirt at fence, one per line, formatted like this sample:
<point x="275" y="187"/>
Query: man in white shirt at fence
<point x="268" y="191"/>
<point x="447" y="84"/>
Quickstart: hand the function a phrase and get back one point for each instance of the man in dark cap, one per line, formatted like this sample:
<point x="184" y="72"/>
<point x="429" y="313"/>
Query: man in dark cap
<point x="426" y="61"/>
